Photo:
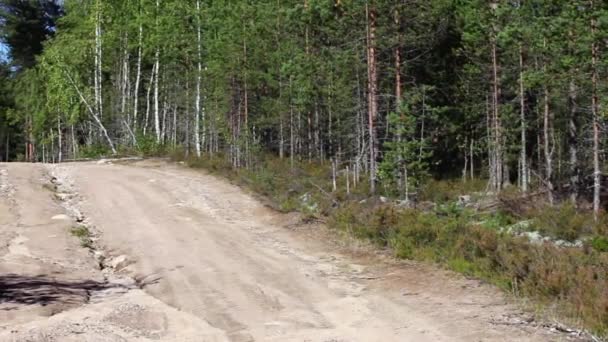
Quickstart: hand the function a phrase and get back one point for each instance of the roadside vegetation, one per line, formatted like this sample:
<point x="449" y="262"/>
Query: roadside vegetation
<point x="557" y="256"/>
<point x="83" y="234"/>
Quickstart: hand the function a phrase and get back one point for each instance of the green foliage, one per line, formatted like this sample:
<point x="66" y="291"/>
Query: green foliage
<point x="440" y="191"/>
<point x="95" y="151"/>
<point x="600" y="243"/>
<point x="148" y="147"/>
<point x="572" y="278"/>
<point x="25" y="27"/>
<point x="405" y="163"/>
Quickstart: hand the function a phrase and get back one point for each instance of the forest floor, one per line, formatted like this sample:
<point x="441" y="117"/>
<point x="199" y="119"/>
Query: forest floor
<point x="149" y="250"/>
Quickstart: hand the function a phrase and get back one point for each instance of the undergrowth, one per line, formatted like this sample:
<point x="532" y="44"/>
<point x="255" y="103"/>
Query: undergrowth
<point x="573" y="280"/>
<point x="83" y="234"/>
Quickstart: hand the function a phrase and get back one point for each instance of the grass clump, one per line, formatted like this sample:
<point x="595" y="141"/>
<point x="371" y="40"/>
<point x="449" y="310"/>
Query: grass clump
<point x="563" y="222"/>
<point x="84" y="235"/>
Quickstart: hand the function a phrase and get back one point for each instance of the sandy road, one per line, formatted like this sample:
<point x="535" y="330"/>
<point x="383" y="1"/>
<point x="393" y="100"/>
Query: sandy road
<point x="214" y="264"/>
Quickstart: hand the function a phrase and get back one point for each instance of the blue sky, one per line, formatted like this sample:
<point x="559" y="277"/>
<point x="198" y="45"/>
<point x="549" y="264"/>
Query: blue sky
<point x="3" y="52"/>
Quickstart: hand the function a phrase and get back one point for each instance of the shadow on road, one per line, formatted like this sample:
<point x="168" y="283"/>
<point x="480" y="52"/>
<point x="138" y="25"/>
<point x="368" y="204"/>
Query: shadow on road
<point x="44" y="290"/>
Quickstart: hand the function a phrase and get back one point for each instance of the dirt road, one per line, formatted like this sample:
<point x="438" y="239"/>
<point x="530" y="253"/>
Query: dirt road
<point x="188" y="257"/>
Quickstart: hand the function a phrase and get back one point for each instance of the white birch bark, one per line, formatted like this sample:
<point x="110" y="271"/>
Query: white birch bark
<point x="156" y="103"/>
<point x="138" y="77"/>
<point x="522" y="105"/>
<point x="91" y="111"/>
<point x="197" y="101"/>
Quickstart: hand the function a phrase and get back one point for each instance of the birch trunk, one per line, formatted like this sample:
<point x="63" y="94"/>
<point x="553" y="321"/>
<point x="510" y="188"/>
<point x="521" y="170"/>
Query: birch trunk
<point x="92" y="112"/>
<point x="59" y="141"/>
<point x="157" y="68"/>
<point x="156" y="103"/>
<point x="372" y="93"/>
<point x="595" y="111"/>
<point x="137" y="78"/>
<point x="98" y="63"/>
<point x="150" y="83"/>
<point x="522" y="113"/>
<point x="197" y="100"/>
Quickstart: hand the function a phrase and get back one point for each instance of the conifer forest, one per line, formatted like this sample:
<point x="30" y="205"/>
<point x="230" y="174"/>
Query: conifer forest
<point x="510" y="91"/>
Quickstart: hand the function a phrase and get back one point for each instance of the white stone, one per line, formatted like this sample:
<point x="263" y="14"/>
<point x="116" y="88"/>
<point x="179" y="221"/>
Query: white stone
<point x="119" y="262"/>
<point x="61" y="217"/>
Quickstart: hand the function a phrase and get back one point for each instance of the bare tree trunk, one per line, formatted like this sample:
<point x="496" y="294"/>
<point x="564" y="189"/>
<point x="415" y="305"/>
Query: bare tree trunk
<point x="59" y="141"/>
<point x="310" y="142"/>
<point x="573" y="143"/>
<point x="548" y="149"/>
<point x="163" y="129"/>
<point x="156" y="100"/>
<point x="421" y="147"/>
<point x="522" y="116"/>
<point x="197" y="101"/>
<point x="150" y="84"/>
<point x="398" y="79"/>
<point x="347" y="180"/>
<point x="465" y="169"/>
<point x="137" y="79"/>
<point x="125" y="77"/>
<point x="595" y="111"/>
<point x="157" y="68"/>
<point x="174" y="135"/>
<point x="187" y="116"/>
<point x="372" y="92"/>
<point x="281" y="124"/>
<point x="331" y="150"/>
<point x="292" y="143"/>
<point x="547" y="137"/>
<point x="498" y="155"/>
<point x="245" y="104"/>
<point x="472" y="156"/>
<point x="92" y="112"/>
<point x="74" y="144"/>
<point x="319" y="153"/>
<point x="490" y="145"/>
<point x="334" y="168"/>
<point x="98" y="64"/>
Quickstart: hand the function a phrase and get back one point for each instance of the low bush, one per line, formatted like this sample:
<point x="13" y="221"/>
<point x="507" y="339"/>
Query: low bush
<point x="573" y="278"/>
<point x="563" y="222"/>
<point x="94" y="151"/>
<point x="83" y="234"/>
<point x="440" y="191"/>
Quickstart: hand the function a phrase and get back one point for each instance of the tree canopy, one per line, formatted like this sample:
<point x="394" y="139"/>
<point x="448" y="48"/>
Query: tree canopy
<point x="400" y="91"/>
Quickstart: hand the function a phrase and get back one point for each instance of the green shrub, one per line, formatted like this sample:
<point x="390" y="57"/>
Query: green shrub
<point x="440" y="191"/>
<point x="562" y="222"/>
<point x="148" y="147"/>
<point x="600" y="243"/>
<point x="94" y="151"/>
<point x="83" y="234"/>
